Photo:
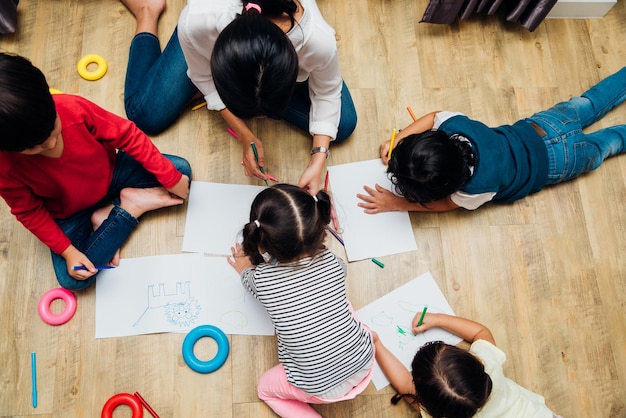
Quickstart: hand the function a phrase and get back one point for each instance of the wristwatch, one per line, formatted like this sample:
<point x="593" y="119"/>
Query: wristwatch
<point x="321" y="149"/>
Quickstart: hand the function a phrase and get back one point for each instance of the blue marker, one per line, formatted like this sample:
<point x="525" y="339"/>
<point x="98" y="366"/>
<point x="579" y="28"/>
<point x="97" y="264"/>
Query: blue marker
<point x="33" y="371"/>
<point x="98" y="267"/>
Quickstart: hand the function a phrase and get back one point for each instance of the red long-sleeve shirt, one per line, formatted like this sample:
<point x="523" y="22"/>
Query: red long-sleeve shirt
<point x="39" y="189"/>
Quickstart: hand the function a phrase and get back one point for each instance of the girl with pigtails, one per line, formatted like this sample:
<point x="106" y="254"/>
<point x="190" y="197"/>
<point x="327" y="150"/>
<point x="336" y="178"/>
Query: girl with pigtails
<point x="275" y="58"/>
<point x="325" y="353"/>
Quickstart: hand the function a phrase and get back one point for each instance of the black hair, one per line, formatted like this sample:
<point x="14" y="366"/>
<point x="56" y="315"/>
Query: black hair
<point x="286" y="222"/>
<point x="27" y="111"/>
<point x="430" y="166"/>
<point x="254" y="64"/>
<point x="449" y="381"/>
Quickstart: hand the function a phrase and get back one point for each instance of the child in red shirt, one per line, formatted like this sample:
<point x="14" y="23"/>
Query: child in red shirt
<point x="64" y="179"/>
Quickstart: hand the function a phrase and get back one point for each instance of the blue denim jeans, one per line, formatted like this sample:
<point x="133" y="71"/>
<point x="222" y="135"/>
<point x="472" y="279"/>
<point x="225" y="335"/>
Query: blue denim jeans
<point x="297" y="111"/>
<point x="571" y="152"/>
<point x="100" y="245"/>
<point x="157" y="89"/>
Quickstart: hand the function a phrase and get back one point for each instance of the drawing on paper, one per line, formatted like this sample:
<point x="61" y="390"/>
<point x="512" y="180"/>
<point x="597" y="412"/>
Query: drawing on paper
<point x="180" y="308"/>
<point x="402" y="332"/>
<point x="174" y="293"/>
<point x="235" y="319"/>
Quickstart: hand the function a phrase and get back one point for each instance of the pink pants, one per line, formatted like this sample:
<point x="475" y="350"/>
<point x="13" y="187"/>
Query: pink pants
<point x="289" y="401"/>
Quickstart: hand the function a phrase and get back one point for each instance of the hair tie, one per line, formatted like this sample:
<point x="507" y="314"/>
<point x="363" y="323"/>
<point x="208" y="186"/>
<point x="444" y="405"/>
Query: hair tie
<point x="253" y="6"/>
<point x="257" y="223"/>
<point x="315" y="198"/>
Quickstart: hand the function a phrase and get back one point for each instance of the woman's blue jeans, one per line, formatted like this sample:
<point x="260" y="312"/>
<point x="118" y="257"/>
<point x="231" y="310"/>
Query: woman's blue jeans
<point x="101" y="245"/>
<point x="571" y="152"/>
<point x="157" y="89"/>
<point x="297" y="111"/>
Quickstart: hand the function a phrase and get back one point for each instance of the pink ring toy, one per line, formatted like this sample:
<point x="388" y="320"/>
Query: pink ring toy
<point x="122" y="399"/>
<point x="51" y="295"/>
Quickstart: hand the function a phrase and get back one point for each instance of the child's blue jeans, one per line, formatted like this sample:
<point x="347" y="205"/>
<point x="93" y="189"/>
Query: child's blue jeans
<point x="100" y="245"/>
<point x="571" y="152"/>
<point x="157" y="89"/>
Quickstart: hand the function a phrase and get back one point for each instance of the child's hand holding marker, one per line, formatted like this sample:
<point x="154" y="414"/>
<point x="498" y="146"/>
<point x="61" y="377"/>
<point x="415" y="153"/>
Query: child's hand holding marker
<point x="393" y="139"/>
<point x="423" y="321"/>
<point x="387" y="147"/>
<point x="96" y="267"/>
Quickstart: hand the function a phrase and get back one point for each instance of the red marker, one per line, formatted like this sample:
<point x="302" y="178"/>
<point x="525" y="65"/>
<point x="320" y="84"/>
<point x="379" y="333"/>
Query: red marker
<point x="146" y="405"/>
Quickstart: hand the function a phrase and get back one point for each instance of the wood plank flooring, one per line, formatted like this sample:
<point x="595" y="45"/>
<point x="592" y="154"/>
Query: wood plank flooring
<point x="546" y="274"/>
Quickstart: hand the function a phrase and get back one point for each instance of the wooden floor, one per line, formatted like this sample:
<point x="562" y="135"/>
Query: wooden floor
<point x="546" y="274"/>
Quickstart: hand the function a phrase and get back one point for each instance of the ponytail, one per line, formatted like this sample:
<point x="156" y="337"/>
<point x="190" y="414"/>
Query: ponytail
<point x="322" y="200"/>
<point x="252" y="235"/>
<point x="465" y="150"/>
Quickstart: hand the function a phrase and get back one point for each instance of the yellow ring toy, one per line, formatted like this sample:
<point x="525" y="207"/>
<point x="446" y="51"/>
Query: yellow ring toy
<point x="98" y="73"/>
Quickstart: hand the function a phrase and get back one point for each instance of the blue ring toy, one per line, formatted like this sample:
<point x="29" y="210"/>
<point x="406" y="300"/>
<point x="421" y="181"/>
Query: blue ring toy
<point x="222" y="348"/>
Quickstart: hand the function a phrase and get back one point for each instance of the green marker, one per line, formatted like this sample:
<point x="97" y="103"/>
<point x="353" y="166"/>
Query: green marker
<point x="422" y="317"/>
<point x="378" y="263"/>
<point x="256" y="157"/>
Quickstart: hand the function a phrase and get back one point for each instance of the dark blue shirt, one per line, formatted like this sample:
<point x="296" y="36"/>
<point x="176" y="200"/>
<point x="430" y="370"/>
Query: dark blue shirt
<point x="510" y="160"/>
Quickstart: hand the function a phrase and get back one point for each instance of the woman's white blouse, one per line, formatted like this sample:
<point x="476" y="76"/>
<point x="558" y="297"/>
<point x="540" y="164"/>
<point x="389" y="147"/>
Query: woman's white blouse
<point x="201" y="22"/>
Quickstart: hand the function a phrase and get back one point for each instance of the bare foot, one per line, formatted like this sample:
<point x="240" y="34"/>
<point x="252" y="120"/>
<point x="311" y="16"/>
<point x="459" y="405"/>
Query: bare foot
<point x="146" y="12"/>
<point x="139" y="201"/>
<point x="100" y="216"/>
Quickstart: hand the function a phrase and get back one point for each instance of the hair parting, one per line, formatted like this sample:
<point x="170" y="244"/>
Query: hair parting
<point x="253" y="63"/>
<point x="449" y="381"/>
<point x="286" y="222"/>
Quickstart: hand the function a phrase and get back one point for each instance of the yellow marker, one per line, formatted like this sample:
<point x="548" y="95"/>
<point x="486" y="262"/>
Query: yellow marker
<point x="199" y="106"/>
<point x="393" y="138"/>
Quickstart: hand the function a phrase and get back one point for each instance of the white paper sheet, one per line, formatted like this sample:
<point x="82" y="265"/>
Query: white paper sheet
<point x="175" y="293"/>
<point x="367" y="236"/>
<point x="216" y="214"/>
<point x="391" y="315"/>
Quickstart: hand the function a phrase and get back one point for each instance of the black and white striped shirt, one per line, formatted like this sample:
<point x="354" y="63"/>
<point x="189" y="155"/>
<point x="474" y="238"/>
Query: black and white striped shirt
<point x="320" y="342"/>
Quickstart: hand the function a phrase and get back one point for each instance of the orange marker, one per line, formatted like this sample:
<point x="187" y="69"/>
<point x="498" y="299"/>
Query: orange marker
<point x="411" y="113"/>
